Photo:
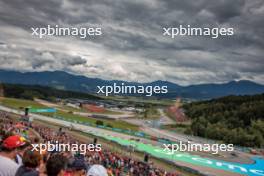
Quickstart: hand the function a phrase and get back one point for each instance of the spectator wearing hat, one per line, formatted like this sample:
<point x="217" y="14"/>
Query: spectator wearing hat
<point x="31" y="161"/>
<point x="97" y="170"/>
<point x="8" y="166"/>
<point x="78" y="167"/>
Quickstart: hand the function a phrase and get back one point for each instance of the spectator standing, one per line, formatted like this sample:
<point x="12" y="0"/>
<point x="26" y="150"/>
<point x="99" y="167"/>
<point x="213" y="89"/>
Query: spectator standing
<point x="8" y="166"/>
<point x="31" y="161"/>
<point x="56" y="165"/>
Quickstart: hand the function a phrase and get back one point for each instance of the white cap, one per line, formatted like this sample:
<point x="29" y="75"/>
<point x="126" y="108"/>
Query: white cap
<point x="97" y="170"/>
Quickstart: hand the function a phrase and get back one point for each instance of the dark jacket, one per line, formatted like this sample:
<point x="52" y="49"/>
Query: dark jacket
<point x="24" y="171"/>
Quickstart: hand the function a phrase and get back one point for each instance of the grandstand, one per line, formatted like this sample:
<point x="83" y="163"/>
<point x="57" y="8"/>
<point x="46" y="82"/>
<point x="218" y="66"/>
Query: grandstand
<point x="101" y="163"/>
<point x="176" y="113"/>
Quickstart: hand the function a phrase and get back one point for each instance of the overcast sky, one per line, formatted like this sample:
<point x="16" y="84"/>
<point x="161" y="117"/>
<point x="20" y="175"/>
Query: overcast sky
<point x="132" y="47"/>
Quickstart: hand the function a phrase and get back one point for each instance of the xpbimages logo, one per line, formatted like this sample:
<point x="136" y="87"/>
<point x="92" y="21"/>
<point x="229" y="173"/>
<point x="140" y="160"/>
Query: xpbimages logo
<point x="195" y="147"/>
<point x="63" y="147"/>
<point x="56" y="30"/>
<point x="131" y="89"/>
<point x="188" y="30"/>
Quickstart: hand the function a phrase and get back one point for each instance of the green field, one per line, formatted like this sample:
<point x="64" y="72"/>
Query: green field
<point x="72" y="109"/>
<point x="178" y="127"/>
<point x="149" y="113"/>
<point x="21" y="104"/>
<point x="135" y="100"/>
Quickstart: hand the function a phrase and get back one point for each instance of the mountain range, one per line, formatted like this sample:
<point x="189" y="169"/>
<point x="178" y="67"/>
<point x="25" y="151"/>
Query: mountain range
<point x="67" y="81"/>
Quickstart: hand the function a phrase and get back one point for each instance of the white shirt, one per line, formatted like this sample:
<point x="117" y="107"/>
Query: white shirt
<point x="8" y="167"/>
<point x="18" y="160"/>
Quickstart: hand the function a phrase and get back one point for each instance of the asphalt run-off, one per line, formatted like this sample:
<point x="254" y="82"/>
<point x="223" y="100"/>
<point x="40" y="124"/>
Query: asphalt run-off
<point x="254" y="169"/>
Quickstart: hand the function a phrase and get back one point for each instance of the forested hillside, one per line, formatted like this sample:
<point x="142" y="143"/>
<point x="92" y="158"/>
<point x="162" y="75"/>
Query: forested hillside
<point x="66" y="81"/>
<point x="232" y="119"/>
<point x="31" y="92"/>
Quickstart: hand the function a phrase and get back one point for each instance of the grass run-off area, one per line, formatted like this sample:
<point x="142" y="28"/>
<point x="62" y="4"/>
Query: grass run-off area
<point x="133" y="100"/>
<point x="72" y="109"/>
<point x="149" y="113"/>
<point x="178" y="127"/>
<point x="21" y="104"/>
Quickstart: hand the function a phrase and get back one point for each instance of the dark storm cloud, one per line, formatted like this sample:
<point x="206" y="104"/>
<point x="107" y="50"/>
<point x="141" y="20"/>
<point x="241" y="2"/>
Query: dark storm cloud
<point x="26" y="59"/>
<point x="132" y="46"/>
<point x="224" y="10"/>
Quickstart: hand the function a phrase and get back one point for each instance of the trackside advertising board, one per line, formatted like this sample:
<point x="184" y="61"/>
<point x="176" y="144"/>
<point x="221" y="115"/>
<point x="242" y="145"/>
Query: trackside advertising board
<point x="43" y="110"/>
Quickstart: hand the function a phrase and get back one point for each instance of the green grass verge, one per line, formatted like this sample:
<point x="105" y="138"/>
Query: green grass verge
<point x="21" y="104"/>
<point x="68" y="108"/>
<point x="178" y="127"/>
<point x="149" y="113"/>
<point x="144" y="100"/>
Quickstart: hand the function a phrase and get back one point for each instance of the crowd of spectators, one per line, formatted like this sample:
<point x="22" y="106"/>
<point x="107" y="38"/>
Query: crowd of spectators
<point x="18" y="159"/>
